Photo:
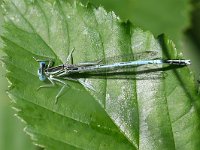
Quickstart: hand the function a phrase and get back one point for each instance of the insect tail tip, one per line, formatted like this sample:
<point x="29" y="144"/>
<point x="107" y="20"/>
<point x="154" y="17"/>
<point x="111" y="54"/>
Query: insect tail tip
<point x="188" y="62"/>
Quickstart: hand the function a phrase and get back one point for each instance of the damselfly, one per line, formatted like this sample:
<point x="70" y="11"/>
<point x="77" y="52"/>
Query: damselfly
<point x="66" y="71"/>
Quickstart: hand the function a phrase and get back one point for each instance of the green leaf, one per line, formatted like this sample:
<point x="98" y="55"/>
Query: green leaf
<point x="150" y="113"/>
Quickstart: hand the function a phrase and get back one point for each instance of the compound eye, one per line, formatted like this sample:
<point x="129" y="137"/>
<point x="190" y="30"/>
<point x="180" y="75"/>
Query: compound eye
<point x="42" y="65"/>
<point x="42" y="77"/>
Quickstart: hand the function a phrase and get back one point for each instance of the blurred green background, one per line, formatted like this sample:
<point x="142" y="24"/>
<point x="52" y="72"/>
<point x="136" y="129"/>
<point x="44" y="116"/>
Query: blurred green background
<point x="178" y="19"/>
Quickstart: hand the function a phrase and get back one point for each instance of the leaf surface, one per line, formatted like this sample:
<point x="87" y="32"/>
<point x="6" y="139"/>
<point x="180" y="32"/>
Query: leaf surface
<point x="149" y="113"/>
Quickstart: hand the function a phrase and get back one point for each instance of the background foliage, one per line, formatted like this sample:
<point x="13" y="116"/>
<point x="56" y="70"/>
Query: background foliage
<point x="178" y="19"/>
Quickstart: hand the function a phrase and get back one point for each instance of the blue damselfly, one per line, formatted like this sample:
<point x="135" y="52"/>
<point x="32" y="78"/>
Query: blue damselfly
<point x="68" y="71"/>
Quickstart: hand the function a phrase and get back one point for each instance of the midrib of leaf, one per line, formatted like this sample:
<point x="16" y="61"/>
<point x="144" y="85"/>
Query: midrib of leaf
<point x="130" y="139"/>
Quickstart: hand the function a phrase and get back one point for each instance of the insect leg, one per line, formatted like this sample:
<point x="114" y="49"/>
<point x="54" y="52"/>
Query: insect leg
<point x="59" y="93"/>
<point x="50" y="64"/>
<point x="61" y="90"/>
<point x="70" y="57"/>
<point x="48" y="85"/>
<point x="39" y="60"/>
